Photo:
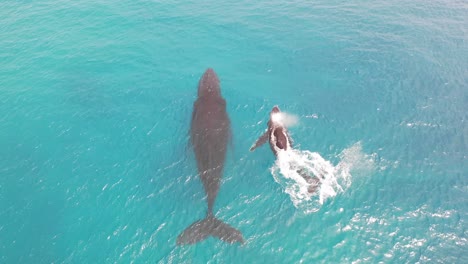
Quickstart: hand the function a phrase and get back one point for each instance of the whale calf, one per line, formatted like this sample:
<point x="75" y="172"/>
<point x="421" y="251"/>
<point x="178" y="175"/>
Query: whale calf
<point x="276" y="134"/>
<point x="210" y="132"/>
<point x="279" y="139"/>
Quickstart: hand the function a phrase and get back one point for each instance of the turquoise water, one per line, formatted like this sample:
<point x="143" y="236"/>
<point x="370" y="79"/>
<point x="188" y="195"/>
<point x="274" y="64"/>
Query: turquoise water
<point x="96" y="99"/>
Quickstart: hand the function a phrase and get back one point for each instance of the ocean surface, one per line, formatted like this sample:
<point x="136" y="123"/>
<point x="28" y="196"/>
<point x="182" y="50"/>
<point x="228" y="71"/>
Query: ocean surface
<point x="96" y="99"/>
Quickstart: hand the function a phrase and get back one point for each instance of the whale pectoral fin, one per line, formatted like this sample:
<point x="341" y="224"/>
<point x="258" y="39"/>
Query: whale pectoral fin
<point x="260" y="141"/>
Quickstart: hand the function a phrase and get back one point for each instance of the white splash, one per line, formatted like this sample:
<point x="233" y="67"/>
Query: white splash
<point x="285" y="119"/>
<point x="310" y="180"/>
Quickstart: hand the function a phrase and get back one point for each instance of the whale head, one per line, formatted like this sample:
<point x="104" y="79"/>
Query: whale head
<point x="275" y="116"/>
<point x="275" y="110"/>
<point x="209" y="84"/>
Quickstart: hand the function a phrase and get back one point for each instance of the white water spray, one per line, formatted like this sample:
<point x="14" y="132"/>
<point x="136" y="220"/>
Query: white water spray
<point x="310" y="180"/>
<point x="285" y="119"/>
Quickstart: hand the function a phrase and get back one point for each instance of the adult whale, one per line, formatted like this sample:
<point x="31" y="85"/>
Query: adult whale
<point x="210" y="132"/>
<point x="279" y="139"/>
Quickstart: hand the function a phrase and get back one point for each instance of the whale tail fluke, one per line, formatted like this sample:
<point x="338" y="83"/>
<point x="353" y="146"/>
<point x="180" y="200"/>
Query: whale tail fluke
<point x="210" y="226"/>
